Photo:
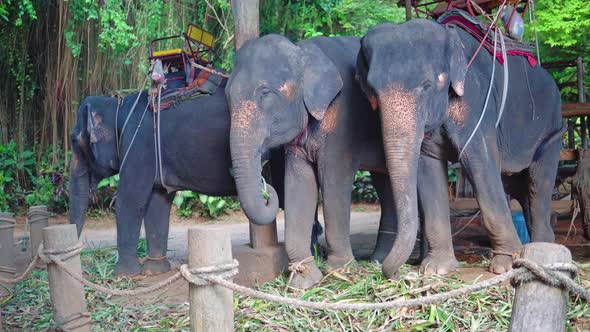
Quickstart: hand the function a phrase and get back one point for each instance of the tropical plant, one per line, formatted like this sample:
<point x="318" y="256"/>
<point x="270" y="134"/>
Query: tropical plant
<point x="363" y="190"/>
<point x="187" y="202"/>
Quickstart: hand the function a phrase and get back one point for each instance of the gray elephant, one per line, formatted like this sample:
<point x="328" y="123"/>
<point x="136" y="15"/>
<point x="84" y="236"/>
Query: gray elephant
<point x="304" y="96"/>
<point x="430" y="105"/>
<point x="195" y="156"/>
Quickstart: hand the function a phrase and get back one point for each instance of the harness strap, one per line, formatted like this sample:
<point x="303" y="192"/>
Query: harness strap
<point x="133" y="138"/>
<point x="119" y="102"/>
<point x="159" y="142"/>
<point x="134" y="105"/>
<point x="485" y="105"/>
<point x="505" y="88"/>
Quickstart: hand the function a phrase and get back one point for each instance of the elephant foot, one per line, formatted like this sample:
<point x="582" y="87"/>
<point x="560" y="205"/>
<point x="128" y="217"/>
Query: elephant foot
<point x="127" y="268"/>
<point x="336" y="262"/>
<point x="439" y="264"/>
<point x="152" y="267"/>
<point x="500" y="264"/>
<point x="307" y="279"/>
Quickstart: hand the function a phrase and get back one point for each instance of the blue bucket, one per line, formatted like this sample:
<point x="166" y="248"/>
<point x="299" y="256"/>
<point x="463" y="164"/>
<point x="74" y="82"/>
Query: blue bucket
<point x="520" y="225"/>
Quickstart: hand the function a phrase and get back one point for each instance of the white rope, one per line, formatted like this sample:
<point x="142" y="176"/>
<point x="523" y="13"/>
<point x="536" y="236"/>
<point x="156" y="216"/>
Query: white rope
<point x="505" y="87"/>
<point x="133" y="138"/>
<point x="485" y="106"/>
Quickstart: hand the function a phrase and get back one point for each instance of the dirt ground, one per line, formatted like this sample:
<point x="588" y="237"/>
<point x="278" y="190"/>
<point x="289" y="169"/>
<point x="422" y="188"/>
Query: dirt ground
<point x="470" y="241"/>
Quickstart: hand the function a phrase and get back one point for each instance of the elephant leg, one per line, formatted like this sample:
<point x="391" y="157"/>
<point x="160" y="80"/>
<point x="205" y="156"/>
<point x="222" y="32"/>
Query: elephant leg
<point x="131" y="208"/>
<point x="157" y="222"/>
<point x="517" y="186"/>
<point x="388" y="222"/>
<point x="434" y="199"/>
<point x="336" y="183"/>
<point x="301" y="198"/>
<point x="542" y="174"/>
<point x="483" y="171"/>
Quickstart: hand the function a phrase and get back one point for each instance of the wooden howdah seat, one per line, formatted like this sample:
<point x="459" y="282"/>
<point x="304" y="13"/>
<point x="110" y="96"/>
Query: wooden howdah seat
<point x="178" y="72"/>
<point x="197" y="47"/>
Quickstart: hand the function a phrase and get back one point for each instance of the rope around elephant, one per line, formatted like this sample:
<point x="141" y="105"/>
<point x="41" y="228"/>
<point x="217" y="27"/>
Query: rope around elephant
<point x="524" y="271"/>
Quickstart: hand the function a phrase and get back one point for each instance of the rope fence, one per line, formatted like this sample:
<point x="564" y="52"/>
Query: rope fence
<point x="557" y="275"/>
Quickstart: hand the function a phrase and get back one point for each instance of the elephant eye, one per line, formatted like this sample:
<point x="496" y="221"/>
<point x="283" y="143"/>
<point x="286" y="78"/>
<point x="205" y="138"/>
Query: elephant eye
<point x="266" y="97"/>
<point x="426" y="85"/>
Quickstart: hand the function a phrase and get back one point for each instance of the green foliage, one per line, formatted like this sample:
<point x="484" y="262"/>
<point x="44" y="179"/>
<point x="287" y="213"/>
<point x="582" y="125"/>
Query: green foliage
<point x="16" y="174"/>
<point x="187" y="202"/>
<point x="362" y="188"/>
<point x="565" y="25"/>
<point x="26" y="182"/>
<point x="452" y="174"/>
<point x="16" y="11"/>
<point x="564" y="34"/>
<point x="486" y="310"/>
<point x="111" y="182"/>
<point x="306" y="19"/>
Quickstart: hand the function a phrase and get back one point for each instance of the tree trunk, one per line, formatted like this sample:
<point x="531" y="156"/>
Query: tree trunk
<point x="246" y="21"/>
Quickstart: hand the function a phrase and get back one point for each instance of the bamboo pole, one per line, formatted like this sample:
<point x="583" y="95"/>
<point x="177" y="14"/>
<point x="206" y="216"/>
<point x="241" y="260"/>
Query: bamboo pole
<point x="67" y="294"/>
<point x="536" y="306"/>
<point x="211" y="306"/>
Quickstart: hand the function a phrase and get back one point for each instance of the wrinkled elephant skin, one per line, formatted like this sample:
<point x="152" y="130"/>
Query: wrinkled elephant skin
<point x="430" y="104"/>
<point x="304" y="96"/>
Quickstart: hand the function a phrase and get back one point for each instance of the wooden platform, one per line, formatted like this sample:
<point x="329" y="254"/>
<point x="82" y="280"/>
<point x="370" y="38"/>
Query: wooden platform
<point x="575" y="109"/>
<point x="564" y="206"/>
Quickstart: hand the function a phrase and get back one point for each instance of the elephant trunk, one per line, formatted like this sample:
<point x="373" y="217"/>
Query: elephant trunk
<point x="246" y="162"/>
<point x="79" y="189"/>
<point x="403" y="131"/>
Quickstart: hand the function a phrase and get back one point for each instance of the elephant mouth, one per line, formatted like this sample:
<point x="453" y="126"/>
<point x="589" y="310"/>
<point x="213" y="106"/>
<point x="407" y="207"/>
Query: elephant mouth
<point x="103" y="171"/>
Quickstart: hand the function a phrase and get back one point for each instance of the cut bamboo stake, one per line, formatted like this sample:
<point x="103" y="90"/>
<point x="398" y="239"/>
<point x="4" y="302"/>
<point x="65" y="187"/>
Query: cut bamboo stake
<point x="538" y="307"/>
<point x="38" y="218"/>
<point x="7" y="263"/>
<point x="211" y="306"/>
<point x="67" y="294"/>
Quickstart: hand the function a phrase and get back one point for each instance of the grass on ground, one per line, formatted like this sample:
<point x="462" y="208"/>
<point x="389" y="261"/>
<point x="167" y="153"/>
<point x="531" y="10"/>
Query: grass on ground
<point x="30" y="307"/>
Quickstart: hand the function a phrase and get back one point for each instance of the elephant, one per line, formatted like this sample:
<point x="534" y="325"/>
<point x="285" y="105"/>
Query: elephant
<point x="304" y="97"/>
<point x="195" y="156"/>
<point x="431" y="107"/>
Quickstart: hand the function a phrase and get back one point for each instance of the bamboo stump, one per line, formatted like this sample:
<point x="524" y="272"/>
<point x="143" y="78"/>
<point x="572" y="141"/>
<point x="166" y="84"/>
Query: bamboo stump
<point x="538" y="307"/>
<point x="211" y="306"/>
<point x="67" y="294"/>
<point x="38" y="218"/>
<point x="262" y="236"/>
<point x="7" y="263"/>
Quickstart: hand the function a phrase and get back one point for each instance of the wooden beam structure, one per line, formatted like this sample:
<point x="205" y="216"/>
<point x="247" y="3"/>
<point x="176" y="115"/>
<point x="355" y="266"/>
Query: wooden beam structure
<point x="575" y="109"/>
<point x="459" y="204"/>
<point x="568" y="154"/>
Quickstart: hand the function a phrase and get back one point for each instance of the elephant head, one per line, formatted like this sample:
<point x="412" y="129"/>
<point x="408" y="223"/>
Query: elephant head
<point x="274" y="89"/>
<point x="94" y="152"/>
<point x="408" y="72"/>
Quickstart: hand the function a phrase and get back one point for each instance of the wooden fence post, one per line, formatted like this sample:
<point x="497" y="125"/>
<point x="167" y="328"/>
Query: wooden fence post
<point x="211" y="306"/>
<point x="7" y="263"/>
<point x="67" y="294"/>
<point x="581" y="90"/>
<point x="38" y="219"/>
<point x="536" y="306"/>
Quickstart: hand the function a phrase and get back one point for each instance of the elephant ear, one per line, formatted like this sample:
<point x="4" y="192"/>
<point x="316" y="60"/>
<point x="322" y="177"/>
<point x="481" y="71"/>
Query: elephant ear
<point x="321" y="81"/>
<point x="457" y="60"/>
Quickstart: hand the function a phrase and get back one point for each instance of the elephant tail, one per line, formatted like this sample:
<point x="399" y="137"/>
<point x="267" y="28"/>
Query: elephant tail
<point x="556" y="135"/>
